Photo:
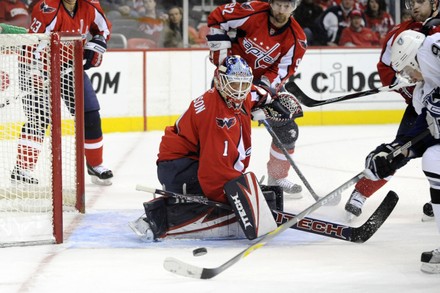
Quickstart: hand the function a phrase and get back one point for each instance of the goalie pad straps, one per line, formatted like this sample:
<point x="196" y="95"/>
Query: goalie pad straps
<point x="250" y="207"/>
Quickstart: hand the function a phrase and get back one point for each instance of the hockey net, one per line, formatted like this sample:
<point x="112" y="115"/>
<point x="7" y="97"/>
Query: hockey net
<point x="41" y="131"/>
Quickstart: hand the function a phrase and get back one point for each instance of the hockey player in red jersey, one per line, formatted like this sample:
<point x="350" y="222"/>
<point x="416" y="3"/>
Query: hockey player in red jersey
<point x="421" y="10"/>
<point x="207" y="147"/>
<point x="273" y="44"/>
<point x="84" y="17"/>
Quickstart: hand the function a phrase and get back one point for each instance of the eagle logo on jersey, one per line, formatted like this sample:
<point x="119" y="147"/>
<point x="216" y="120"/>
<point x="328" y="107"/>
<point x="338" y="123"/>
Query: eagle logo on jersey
<point x="228" y="122"/>
<point x="46" y="8"/>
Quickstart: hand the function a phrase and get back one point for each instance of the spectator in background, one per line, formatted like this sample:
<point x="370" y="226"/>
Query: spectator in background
<point x="356" y="35"/>
<point x="378" y="19"/>
<point x="332" y="21"/>
<point x="305" y="14"/>
<point x="173" y="31"/>
<point x="14" y="12"/>
<point x="151" y="20"/>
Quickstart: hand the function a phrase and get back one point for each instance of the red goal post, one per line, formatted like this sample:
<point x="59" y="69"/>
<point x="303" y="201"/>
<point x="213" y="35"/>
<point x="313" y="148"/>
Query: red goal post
<point x="41" y="80"/>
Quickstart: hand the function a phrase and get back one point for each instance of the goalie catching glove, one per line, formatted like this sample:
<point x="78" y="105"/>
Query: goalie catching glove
<point x="378" y="166"/>
<point x="283" y="107"/>
<point x="93" y="51"/>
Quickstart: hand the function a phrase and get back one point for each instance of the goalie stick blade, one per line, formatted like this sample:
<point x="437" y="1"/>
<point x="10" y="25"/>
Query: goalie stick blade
<point x="307" y="101"/>
<point x="364" y="232"/>
<point x="342" y="232"/>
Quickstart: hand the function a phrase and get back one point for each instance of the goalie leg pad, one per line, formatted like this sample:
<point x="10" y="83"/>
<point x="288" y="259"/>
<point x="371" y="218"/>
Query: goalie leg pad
<point x="250" y="207"/>
<point x="156" y="216"/>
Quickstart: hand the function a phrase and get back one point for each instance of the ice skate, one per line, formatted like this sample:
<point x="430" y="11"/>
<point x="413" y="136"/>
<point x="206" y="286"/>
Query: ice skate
<point x="355" y="203"/>
<point x="19" y="175"/>
<point x="428" y="213"/>
<point x="100" y="175"/>
<point x="142" y="229"/>
<point x="293" y="190"/>
<point x="431" y="262"/>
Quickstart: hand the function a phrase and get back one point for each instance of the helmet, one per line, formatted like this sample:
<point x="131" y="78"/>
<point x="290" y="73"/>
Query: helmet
<point x="294" y="3"/>
<point x="233" y="79"/>
<point x="404" y="50"/>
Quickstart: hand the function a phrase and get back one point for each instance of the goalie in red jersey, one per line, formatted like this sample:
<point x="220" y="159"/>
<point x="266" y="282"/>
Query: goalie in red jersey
<point x="271" y="41"/>
<point x="85" y="17"/>
<point x="208" y="149"/>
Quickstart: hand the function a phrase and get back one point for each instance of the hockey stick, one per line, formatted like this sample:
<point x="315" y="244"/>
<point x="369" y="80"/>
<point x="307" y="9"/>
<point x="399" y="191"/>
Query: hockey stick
<point x="293" y="88"/>
<point x="289" y="158"/>
<point x="309" y="225"/>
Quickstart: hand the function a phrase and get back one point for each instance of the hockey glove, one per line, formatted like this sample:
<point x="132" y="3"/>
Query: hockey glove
<point x="93" y="51"/>
<point x="284" y="107"/>
<point x="219" y="45"/>
<point x="378" y="166"/>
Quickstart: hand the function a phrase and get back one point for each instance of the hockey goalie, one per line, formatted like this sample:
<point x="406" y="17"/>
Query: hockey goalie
<point x="206" y="153"/>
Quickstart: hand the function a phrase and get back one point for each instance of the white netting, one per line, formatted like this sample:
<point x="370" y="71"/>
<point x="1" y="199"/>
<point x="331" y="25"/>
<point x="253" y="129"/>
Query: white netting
<point x="26" y="173"/>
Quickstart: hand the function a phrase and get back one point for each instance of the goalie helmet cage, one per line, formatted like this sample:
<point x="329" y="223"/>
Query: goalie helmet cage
<point x="41" y="93"/>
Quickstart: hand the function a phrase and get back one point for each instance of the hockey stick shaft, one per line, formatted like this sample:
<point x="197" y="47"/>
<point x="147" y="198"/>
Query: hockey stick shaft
<point x="311" y="225"/>
<point x="289" y="158"/>
<point x="176" y="266"/>
<point x="293" y="88"/>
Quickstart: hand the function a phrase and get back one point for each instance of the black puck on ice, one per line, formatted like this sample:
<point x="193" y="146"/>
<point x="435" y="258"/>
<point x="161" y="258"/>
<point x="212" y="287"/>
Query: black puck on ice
<point x="200" y="251"/>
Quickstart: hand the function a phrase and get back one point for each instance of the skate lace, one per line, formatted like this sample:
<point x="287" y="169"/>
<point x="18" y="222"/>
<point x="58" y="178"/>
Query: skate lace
<point x="100" y="169"/>
<point x="284" y="183"/>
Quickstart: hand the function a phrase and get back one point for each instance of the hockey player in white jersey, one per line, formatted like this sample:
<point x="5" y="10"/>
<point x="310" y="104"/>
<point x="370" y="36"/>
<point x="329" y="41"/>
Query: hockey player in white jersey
<point x="417" y="58"/>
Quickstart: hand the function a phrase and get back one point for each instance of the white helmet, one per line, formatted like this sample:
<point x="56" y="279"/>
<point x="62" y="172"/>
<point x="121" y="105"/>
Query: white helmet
<point x="404" y="50"/>
<point x="233" y="79"/>
<point x="294" y="3"/>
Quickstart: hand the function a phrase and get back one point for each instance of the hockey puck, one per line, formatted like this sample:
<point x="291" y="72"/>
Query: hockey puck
<point x="200" y="251"/>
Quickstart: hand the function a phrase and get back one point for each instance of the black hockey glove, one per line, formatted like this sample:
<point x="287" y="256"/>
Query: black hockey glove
<point x="93" y="51"/>
<point x="378" y="166"/>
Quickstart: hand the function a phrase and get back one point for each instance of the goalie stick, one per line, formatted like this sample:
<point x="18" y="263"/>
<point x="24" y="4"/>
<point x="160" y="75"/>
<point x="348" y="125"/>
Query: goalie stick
<point x="307" y="101"/>
<point x="310" y="225"/>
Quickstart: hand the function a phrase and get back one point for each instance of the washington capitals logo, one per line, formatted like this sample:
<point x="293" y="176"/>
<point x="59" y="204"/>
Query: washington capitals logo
<point x="46" y="8"/>
<point x="228" y="122"/>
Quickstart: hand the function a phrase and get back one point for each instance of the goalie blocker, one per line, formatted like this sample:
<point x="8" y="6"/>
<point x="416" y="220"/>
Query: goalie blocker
<point x="251" y="216"/>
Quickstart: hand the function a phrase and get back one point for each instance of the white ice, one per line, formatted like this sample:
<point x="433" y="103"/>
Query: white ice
<point x="101" y="254"/>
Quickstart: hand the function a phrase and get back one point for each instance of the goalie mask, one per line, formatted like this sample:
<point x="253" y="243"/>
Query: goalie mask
<point x="233" y="79"/>
<point x="404" y="52"/>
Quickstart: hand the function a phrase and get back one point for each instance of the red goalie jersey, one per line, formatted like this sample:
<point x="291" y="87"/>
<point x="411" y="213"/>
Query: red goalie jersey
<point x="269" y="51"/>
<point x="215" y="135"/>
<point x="87" y="17"/>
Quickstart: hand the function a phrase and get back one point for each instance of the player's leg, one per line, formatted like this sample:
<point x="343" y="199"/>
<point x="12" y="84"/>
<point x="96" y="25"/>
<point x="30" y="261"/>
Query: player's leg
<point x="278" y="166"/>
<point x="366" y="187"/>
<point x="431" y="168"/>
<point x="168" y="217"/>
<point x="94" y="145"/>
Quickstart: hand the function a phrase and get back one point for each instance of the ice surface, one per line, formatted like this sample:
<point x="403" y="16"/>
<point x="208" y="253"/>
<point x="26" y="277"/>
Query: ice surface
<point x="101" y="254"/>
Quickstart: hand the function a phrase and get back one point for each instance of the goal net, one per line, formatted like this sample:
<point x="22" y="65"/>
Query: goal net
<point x="41" y="136"/>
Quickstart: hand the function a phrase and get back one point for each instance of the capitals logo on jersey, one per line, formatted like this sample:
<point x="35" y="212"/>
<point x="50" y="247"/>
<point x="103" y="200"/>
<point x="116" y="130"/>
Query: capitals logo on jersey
<point x="226" y="122"/>
<point x="46" y="8"/>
